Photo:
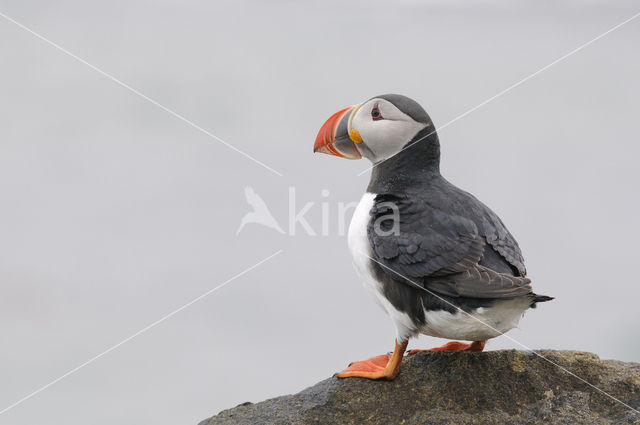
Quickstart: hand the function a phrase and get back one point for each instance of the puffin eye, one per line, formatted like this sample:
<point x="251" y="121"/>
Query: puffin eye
<point x="375" y="113"/>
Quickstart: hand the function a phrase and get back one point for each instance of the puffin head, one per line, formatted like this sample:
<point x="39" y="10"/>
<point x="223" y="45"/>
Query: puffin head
<point x="377" y="129"/>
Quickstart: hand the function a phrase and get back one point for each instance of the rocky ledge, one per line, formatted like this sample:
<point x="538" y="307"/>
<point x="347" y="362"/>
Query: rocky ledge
<point x="495" y="387"/>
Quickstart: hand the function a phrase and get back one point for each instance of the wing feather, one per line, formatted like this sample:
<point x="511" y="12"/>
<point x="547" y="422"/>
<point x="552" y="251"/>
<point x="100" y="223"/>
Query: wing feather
<point x="441" y="249"/>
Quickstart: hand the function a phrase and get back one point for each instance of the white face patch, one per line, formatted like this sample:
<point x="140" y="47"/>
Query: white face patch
<point x="385" y="136"/>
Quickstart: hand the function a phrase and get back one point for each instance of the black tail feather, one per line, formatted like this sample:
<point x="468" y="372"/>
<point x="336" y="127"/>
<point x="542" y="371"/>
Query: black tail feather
<point x="540" y="299"/>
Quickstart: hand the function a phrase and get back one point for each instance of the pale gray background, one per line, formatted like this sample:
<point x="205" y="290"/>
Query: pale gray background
<point x="113" y="213"/>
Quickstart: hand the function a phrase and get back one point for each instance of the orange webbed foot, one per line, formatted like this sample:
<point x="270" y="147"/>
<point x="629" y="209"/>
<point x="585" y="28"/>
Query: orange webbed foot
<point x="455" y="346"/>
<point x="386" y="366"/>
<point x="372" y="368"/>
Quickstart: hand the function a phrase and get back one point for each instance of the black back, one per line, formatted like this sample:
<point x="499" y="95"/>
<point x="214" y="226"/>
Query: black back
<point x="449" y="242"/>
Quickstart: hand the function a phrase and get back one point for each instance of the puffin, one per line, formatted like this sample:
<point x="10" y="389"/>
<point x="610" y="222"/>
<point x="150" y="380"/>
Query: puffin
<point x="437" y="260"/>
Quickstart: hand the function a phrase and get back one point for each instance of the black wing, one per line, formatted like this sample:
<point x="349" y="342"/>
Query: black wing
<point x="438" y="249"/>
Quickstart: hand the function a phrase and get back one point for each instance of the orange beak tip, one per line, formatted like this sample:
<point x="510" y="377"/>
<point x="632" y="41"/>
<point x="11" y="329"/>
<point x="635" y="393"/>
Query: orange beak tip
<point x="340" y="145"/>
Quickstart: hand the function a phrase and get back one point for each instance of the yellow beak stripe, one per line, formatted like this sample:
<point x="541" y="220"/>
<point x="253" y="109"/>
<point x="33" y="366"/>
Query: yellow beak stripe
<point x="355" y="136"/>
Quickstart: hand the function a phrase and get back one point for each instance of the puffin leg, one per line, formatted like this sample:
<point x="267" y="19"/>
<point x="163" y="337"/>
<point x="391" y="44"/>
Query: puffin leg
<point x="386" y="366"/>
<point x="455" y="346"/>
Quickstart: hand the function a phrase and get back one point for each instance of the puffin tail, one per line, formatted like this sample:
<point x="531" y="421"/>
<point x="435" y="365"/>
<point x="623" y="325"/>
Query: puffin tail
<point x="539" y="299"/>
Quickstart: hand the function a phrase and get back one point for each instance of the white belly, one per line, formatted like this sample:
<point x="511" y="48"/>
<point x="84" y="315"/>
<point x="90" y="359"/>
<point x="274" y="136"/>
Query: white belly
<point x="486" y="322"/>
<point x="480" y="324"/>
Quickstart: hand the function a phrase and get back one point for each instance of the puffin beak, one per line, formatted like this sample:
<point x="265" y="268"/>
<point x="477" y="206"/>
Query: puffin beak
<point x="337" y="138"/>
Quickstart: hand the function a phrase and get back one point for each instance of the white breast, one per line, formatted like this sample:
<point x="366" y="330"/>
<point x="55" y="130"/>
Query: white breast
<point x="361" y="253"/>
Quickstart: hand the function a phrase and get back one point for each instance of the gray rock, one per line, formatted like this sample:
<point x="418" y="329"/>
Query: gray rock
<point x="495" y="387"/>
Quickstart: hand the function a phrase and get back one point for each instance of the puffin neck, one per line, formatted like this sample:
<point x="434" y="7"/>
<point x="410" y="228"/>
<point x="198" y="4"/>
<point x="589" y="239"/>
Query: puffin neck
<point x="417" y="162"/>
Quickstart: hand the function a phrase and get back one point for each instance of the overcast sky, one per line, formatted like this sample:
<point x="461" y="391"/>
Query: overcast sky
<point x="115" y="213"/>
